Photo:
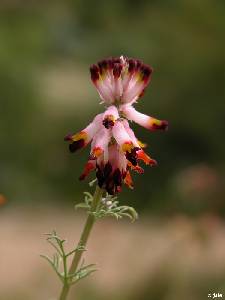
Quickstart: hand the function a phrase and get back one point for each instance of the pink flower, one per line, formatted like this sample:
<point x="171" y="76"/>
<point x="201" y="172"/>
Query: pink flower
<point x="115" y="150"/>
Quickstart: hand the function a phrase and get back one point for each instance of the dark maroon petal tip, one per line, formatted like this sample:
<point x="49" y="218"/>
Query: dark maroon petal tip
<point x="116" y="60"/>
<point x="132" y="156"/>
<point x="131" y="67"/>
<point x="162" y="126"/>
<point x="165" y="125"/>
<point x="117" y="177"/>
<point x="117" y="70"/>
<point x="74" y="146"/>
<point x="100" y="177"/>
<point x="103" y="64"/>
<point x="110" y="63"/>
<point x="94" y="72"/>
<point x="107" y="170"/>
<point x="146" y="71"/>
<point x="138" y="64"/>
<point x="68" y="137"/>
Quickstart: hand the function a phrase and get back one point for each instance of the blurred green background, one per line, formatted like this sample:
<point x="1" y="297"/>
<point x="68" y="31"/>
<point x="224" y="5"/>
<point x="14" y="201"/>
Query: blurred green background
<point x="46" y="48"/>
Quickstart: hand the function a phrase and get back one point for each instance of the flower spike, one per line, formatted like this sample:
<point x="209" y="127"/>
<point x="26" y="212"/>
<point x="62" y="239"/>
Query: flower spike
<point x="115" y="150"/>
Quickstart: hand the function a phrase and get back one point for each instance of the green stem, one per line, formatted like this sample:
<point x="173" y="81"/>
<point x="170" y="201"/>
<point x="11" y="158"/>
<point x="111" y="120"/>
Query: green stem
<point x="82" y="243"/>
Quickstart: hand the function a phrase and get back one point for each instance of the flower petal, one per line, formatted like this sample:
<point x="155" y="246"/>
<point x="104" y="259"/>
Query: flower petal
<point x="136" y="168"/>
<point x="117" y="82"/>
<point x="146" y="121"/>
<point x="82" y="138"/>
<point x="121" y="136"/>
<point x="90" y="165"/>
<point x="128" y="180"/>
<point x="100" y="142"/>
<point x="102" y="84"/>
<point x="137" y="83"/>
<point x="145" y="158"/>
<point x="131" y="133"/>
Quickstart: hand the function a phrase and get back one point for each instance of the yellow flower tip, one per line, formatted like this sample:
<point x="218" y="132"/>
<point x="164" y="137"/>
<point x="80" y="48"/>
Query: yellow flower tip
<point x="138" y="77"/>
<point x="103" y="75"/>
<point x="141" y="144"/>
<point x="111" y="118"/>
<point x="79" y="136"/>
<point x="127" y="146"/>
<point x="97" y="151"/>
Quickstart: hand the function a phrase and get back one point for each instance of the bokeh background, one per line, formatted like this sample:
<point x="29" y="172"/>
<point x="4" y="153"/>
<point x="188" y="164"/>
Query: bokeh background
<point x="176" y="250"/>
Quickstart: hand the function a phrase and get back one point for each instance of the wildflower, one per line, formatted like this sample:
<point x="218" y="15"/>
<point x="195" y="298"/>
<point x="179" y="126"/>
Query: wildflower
<point x="115" y="150"/>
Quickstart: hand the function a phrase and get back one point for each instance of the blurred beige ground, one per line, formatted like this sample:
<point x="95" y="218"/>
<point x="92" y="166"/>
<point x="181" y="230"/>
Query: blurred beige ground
<point x="130" y="257"/>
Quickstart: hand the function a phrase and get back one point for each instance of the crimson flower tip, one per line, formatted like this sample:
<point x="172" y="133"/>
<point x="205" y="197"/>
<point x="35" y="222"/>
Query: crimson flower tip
<point x="160" y="125"/>
<point x="94" y="73"/>
<point x="68" y="137"/>
<point x="76" y="145"/>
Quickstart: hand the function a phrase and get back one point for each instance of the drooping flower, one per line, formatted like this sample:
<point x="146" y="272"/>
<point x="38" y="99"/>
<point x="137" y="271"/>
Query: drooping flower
<point x="115" y="150"/>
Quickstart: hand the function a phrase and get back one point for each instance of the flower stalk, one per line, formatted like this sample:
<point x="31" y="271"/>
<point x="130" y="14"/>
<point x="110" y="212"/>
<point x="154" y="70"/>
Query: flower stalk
<point x="82" y="243"/>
